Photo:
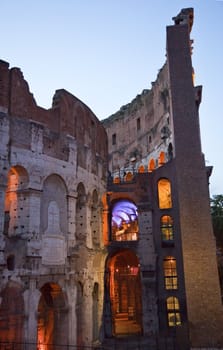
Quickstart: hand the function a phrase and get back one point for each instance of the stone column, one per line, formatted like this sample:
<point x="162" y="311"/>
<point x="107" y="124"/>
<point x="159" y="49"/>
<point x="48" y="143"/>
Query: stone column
<point x="87" y="309"/>
<point x="72" y="319"/>
<point x="34" y="211"/>
<point x="147" y="255"/>
<point x="88" y="224"/>
<point x="2" y="217"/>
<point x="31" y="298"/>
<point x="2" y="207"/>
<point x="4" y="137"/>
<point x="105" y="226"/>
<point x="72" y="200"/>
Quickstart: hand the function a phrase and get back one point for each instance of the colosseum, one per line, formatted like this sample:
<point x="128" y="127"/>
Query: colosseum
<point x="106" y="238"/>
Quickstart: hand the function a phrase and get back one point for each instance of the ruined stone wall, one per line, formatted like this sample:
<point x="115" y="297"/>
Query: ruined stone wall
<point x="141" y="130"/>
<point x="68" y="116"/>
<point x="53" y="176"/>
<point x="165" y="120"/>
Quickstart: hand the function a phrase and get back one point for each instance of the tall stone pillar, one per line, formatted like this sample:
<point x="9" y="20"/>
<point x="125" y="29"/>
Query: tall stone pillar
<point x="31" y="298"/>
<point x="72" y="320"/>
<point x="204" y="307"/>
<point x="72" y="200"/>
<point x="146" y="251"/>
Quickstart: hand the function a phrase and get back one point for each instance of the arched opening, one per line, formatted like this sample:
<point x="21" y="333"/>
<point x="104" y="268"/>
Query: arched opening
<point x="128" y="176"/>
<point x="52" y="317"/>
<point x="161" y="160"/>
<point x="54" y="204"/>
<point x="12" y="316"/>
<point x="116" y="180"/>
<point x="152" y="165"/>
<point x="54" y="220"/>
<point x="141" y="169"/>
<point x="164" y="194"/>
<point x="16" y="202"/>
<point x="125" y="293"/>
<point x="124" y="221"/>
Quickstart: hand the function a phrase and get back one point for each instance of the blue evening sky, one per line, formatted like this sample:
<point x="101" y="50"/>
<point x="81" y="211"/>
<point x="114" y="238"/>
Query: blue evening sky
<point x="105" y="52"/>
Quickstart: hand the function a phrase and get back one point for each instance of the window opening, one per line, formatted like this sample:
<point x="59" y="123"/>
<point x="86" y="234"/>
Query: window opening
<point x="11" y="262"/>
<point x="164" y="193"/>
<point x="167" y="228"/>
<point x="6" y="223"/>
<point x="170" y="151"/>
<point x="173" y="312"/>
<point x="138" y="124"/>
<point x="170" y="273"/>
<point x="114" y="139"/>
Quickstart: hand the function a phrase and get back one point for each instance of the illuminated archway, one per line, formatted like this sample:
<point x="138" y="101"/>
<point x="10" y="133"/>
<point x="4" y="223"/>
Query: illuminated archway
<point x="141" y="169"/>
<point x="116" y="180"/>
<point x="16" y="208"/>
<point x="129" y="176"/>
<point x="161" y="158"/>
<point x="125" y="293"/>
<point x="52" y="317"/>
<point x="124" y="221"/>
<point x="152" y="165"/>
<point x="164" y="194"/>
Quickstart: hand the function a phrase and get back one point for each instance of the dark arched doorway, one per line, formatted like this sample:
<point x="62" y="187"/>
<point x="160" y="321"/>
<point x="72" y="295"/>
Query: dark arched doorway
<point x="52" y="318"/>
<point x="125" y="293"/>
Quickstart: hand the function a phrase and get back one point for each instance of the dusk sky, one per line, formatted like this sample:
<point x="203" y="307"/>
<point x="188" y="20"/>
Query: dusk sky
<point x="105" y="52"/>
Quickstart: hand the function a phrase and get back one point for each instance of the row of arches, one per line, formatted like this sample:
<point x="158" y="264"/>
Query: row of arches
<point x="123" y="297"/>
<point x="51" y="208"/>
<point x="142" y="168"/>
<point x="52" y="312"/>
